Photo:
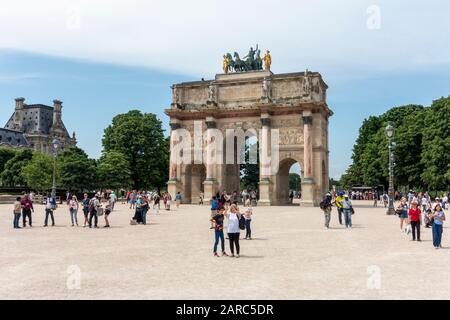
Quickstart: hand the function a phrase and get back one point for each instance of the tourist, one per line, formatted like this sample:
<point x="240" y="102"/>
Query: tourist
<point x="218" y="219"/>
<point x="168" y="201"/>
<point x="17" y="212"/>
<point x="414" y="217"/>
<point x="132" y="200"/>
<point x="425" y="203"/>
<point x="375" y="199"/>
<point x="27" y="209"/>
<point x="50" y="205"/>
<point x="402" y="212"/>
<point x="85" y="204"/>
<point x="201" y="198"/>
<point x="234" y="231"/>
<point x="248" y="221"/>
<point x="214" y="208"/>
<point x="347" y="206"/>
<point x="138" y="210"/>
<point x="428" y="219"/>
<point x="385" y="200"/>
<point x="339" y="206"/>
<point x="112" y="200"/>
<point x="144" y="209"/>
<point x="94" y="205"/>
<point x="156" y="200"/>
<point x="326" y="207"/>
<point x="73" y="208"/>
<point x="108" y="211"/>
<point x="438" y="222"/>
<point x="178" y="199"/>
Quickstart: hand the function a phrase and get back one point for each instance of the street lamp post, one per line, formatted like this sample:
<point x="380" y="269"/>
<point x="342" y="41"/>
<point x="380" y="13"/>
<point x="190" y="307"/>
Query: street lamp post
<point x="390" y="136"/>
<point x="56" y="144"/>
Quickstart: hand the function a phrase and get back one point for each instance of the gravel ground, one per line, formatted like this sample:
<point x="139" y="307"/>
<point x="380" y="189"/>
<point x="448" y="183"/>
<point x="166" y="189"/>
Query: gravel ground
<point x="291" y="256"/>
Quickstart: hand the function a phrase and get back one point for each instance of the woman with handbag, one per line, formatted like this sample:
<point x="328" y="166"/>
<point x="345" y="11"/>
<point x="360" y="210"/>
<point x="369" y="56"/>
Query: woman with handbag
<point x="234" y="231"/>
<point x="402" y="212"/>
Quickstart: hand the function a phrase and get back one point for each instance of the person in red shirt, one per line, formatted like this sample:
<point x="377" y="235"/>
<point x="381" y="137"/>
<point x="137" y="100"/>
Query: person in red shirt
<point x="414" y="217"/>
<point x="27" y="208"/>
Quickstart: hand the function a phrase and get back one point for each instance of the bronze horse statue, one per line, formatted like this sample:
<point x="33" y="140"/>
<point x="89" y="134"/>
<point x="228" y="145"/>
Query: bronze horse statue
<point x="239" y="65"/>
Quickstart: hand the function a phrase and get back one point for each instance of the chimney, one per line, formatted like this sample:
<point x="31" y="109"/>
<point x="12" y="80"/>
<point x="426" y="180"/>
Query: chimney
<point x="18" y="114"/>
<point x="57" y="107"/>
<point x="19" y="103"/>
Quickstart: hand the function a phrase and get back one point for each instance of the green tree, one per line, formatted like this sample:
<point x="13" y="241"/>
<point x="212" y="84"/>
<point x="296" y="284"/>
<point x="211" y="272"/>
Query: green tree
<point x="38" y="173"/>
<point x="421" y="137"/>
<point x="140" y="137"/>
<point x="5" y="155"/>
<point x="294" y="181"/>
<point x="11" y="175"/>
<point x="76" y="171"/>
<point x="436" y="146"/>
<point x="114" y="171"/>
<point x="250" y="170"/>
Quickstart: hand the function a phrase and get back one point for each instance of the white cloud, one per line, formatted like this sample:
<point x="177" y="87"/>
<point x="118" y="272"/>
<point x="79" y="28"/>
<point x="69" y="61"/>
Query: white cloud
<point x="191" y="36"/>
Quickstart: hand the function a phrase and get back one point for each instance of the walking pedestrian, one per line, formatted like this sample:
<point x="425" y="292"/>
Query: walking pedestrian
<point x="234" y="231"/>
<point x="156" y="202"/>
<point x="112" y="200"/>
<point x="50" y="205"/>
<point x="201" y="196"/>
<point x="414" y="217"/>
<point x="402" y="211"/>
<point x="326" y="207"/>
<point x="347" y="205"/>
<point x="108" y="211"/>
<point x="17" y="212"/>
<point x="178" y="199"/>
<point x="439" y="218"/>
<point x="74" y="210"/>
<point x="340" y="208"/>
<point x="85" y="203"/>
<point x="94" y="205"/>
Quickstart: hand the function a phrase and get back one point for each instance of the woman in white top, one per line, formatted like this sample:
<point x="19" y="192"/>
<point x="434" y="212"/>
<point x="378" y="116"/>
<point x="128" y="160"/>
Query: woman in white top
<point x="234" y="231"/>
<point x="73" y="210"/>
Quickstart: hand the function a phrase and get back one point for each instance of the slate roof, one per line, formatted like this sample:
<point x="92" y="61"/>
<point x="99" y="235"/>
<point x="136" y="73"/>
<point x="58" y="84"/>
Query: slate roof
<point x="37" y="119"/>
<point x="12" y="138"/>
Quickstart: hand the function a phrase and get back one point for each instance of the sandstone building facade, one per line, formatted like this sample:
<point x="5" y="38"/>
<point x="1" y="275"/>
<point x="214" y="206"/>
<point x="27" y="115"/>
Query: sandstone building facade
<point x="293" y="104"/>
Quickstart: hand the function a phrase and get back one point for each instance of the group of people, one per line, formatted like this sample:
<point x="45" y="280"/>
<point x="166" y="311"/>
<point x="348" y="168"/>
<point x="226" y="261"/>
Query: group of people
<point x="344" y="207"/>
<point x="222" y="208"/>
<point x="92" y="208"/>
<point x="412" y="216"/>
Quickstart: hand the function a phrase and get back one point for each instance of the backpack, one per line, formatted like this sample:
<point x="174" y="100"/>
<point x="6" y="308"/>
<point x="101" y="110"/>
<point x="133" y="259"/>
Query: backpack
<point x="242" y="222"/>
<point x="322" y="205"/>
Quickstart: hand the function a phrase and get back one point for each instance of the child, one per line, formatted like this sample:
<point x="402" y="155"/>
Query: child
<point x="107" y="213"/>
<point x="17" y="212"/>
<point x="248" y="220"/>
<point x="428" y="219"/>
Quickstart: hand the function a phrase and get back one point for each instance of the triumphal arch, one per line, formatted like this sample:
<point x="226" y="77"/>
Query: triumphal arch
<point x="287" y="113"/>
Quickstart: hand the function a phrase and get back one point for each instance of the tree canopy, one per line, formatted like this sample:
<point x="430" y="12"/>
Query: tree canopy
<point x="38" y="173"/>
<point x="12" y="172"/>
<point x="76" y="171"/>
<point x="114" y="170"/>
<point x="421" y="151"/>
<point x="140" y="138"/>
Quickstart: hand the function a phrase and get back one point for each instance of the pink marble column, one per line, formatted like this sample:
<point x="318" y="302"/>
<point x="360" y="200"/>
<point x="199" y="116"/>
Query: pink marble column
<point x="210" y="144"/>
<point x="307" y="149"/>
<point x="173" y="153"/>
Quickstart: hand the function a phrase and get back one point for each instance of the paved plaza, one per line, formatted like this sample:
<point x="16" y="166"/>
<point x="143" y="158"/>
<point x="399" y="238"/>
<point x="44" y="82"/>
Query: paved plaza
<point x="292" y="256"/>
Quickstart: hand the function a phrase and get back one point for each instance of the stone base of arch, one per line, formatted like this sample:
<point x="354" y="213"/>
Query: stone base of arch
<point x="308" y="199"/>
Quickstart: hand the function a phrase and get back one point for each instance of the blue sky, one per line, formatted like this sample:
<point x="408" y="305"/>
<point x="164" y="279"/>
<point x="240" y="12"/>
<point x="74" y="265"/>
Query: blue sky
<point x="106" y="57"/>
